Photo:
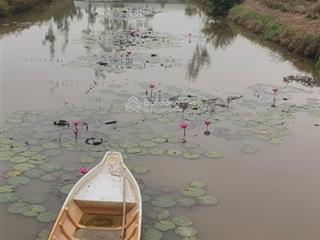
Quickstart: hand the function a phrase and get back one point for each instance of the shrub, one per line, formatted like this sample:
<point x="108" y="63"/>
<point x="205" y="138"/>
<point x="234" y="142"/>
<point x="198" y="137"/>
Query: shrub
<point x="4" y="8"/>
<point x="222" y="7"/>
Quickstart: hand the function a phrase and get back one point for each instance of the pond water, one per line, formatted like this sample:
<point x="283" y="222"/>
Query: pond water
<point x="248" y="166"/>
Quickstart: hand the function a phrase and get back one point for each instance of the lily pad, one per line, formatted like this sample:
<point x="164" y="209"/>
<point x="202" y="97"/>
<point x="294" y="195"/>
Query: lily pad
<point x="157" y="151"/>
<point x="43" y="234"/>
<point x="8" y="197"/>
<point x="53" y="152"/>
<point x="18" y="207"/>
<point x="193" y="192"/>
<point x="34" y="211"/>
<point x="48" y="177"/>
<point x="186" y="202"/>
<point x="208" y="200"/>
<point x="7" y="188"/>
<point x="190" y="155"/>
<point x="18" y="180"/>
<point x="174" y="152"/>
<point x="47" y="217"/>
<point x="51" y="145"/>
<point x="147" y="144"/>
<point x="197" y="184"/>
<point x="163" y="202"/>
<point x="66" y="188"/>
<point x="213" y="154"/>
<point x="36" y="198"/>
<point x="34" y="173"/>
<point x="23" y="167"/>
<point x="160" y="140"/>
<point x="134" y="150"/>
<point x="19" y="159"/>
<point x="150" y="233"/>
<point x="182" y="221"/>
<point x="87" y="159"/>
<point x="164" y="225"/>
<point x="186" y="232"/>
<point x="50" y="167"/>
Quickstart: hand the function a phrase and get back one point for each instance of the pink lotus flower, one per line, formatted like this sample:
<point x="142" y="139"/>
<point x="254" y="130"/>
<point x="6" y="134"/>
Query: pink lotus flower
<point x="76" y="122"/>
<point x="152" y="85"/>
<point x="275" y="90"/>
<point x="183" y="125"/>
<point x="84" y="170"/>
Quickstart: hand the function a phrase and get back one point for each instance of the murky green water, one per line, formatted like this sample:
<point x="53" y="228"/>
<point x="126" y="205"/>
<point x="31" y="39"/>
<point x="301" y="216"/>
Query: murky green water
<point x="260" y="163"/>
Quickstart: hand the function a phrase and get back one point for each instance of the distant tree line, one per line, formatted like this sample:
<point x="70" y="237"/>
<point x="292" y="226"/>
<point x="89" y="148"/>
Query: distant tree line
<point x="220" y="7"/>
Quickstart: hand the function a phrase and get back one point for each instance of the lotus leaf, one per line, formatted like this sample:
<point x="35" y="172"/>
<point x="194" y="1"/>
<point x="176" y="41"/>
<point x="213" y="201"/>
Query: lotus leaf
<point x="47" y="216"/>
<point x="182" y="221"/>
<point x="34" y="211"/>
<point x="185" y="231"/>
<point x="197" y="184"/>
<point x="6" y="155"/>
<point x="28" y="153"/>
<point x="53" y="152"/>
<point x="134" y="150"/>
<point x="163" y="202"/>
<point x="213" y="154"/>
<point x="191" y="155"/>
<point x="19" y="207"/>
<point x="168" y="189"/>
<point x="12" y="173"/>
<point x="174" y="152"/>
<point x="34" y="173"/>
<point x="147" y="136"/>
<point x="50" y="167"/>
<point x="23" y="166"/>
<point x="43" y="235"/>
<point x="18" y="180"/>
<point x="35" y="198"/>
<point x="147" y="144"/>
<point x="160" y="140"/>
<point x="48" y="177"/>
<point x="71" y="146"/>
<point x="8" y="197"/>
<point x="157" y="151"/>
<point x="150" y="233"/>
<point x="186" y="202"/>
<point x="208" y="200"/>
<point x="128" y="145"/>
<point x="66" y="188"/>
<point x="7" y="188"/>
<point x="193" y="192"/>
<point x="51" y="145"/>
<point x="164" y="225"/>
<point x="87" y="159"/>
<point x="19" y="159"/>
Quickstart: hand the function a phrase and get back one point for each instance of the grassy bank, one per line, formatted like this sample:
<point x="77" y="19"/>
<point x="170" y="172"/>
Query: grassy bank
<point x="9" y="7"/>
<point x="296" y="33"/>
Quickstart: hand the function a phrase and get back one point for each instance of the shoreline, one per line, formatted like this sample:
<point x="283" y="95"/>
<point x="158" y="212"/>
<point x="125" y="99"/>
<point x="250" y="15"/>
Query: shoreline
<point x="293" y="31"/>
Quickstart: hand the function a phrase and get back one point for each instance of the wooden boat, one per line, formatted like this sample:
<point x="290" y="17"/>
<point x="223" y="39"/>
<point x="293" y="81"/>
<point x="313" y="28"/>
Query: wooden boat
<point x="104" y="204"/>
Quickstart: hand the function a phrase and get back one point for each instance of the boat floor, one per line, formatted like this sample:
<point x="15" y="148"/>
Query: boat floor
<point x="88" y="234"/>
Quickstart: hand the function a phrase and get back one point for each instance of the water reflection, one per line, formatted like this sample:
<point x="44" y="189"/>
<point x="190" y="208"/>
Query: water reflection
<point x="200" y="58"/>
<point x="218" y="32"/>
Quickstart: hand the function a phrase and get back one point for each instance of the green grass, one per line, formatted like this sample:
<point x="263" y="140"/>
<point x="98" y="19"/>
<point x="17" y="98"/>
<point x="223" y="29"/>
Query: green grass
<point x="272" y="31"/>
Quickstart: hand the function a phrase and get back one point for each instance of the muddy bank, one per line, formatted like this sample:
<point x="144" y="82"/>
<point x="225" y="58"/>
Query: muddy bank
<point x="295" y="31"/>
<point x="14" y="7"/>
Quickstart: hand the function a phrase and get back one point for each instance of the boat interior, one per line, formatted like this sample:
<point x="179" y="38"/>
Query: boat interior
<point x="93" y="220"/>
